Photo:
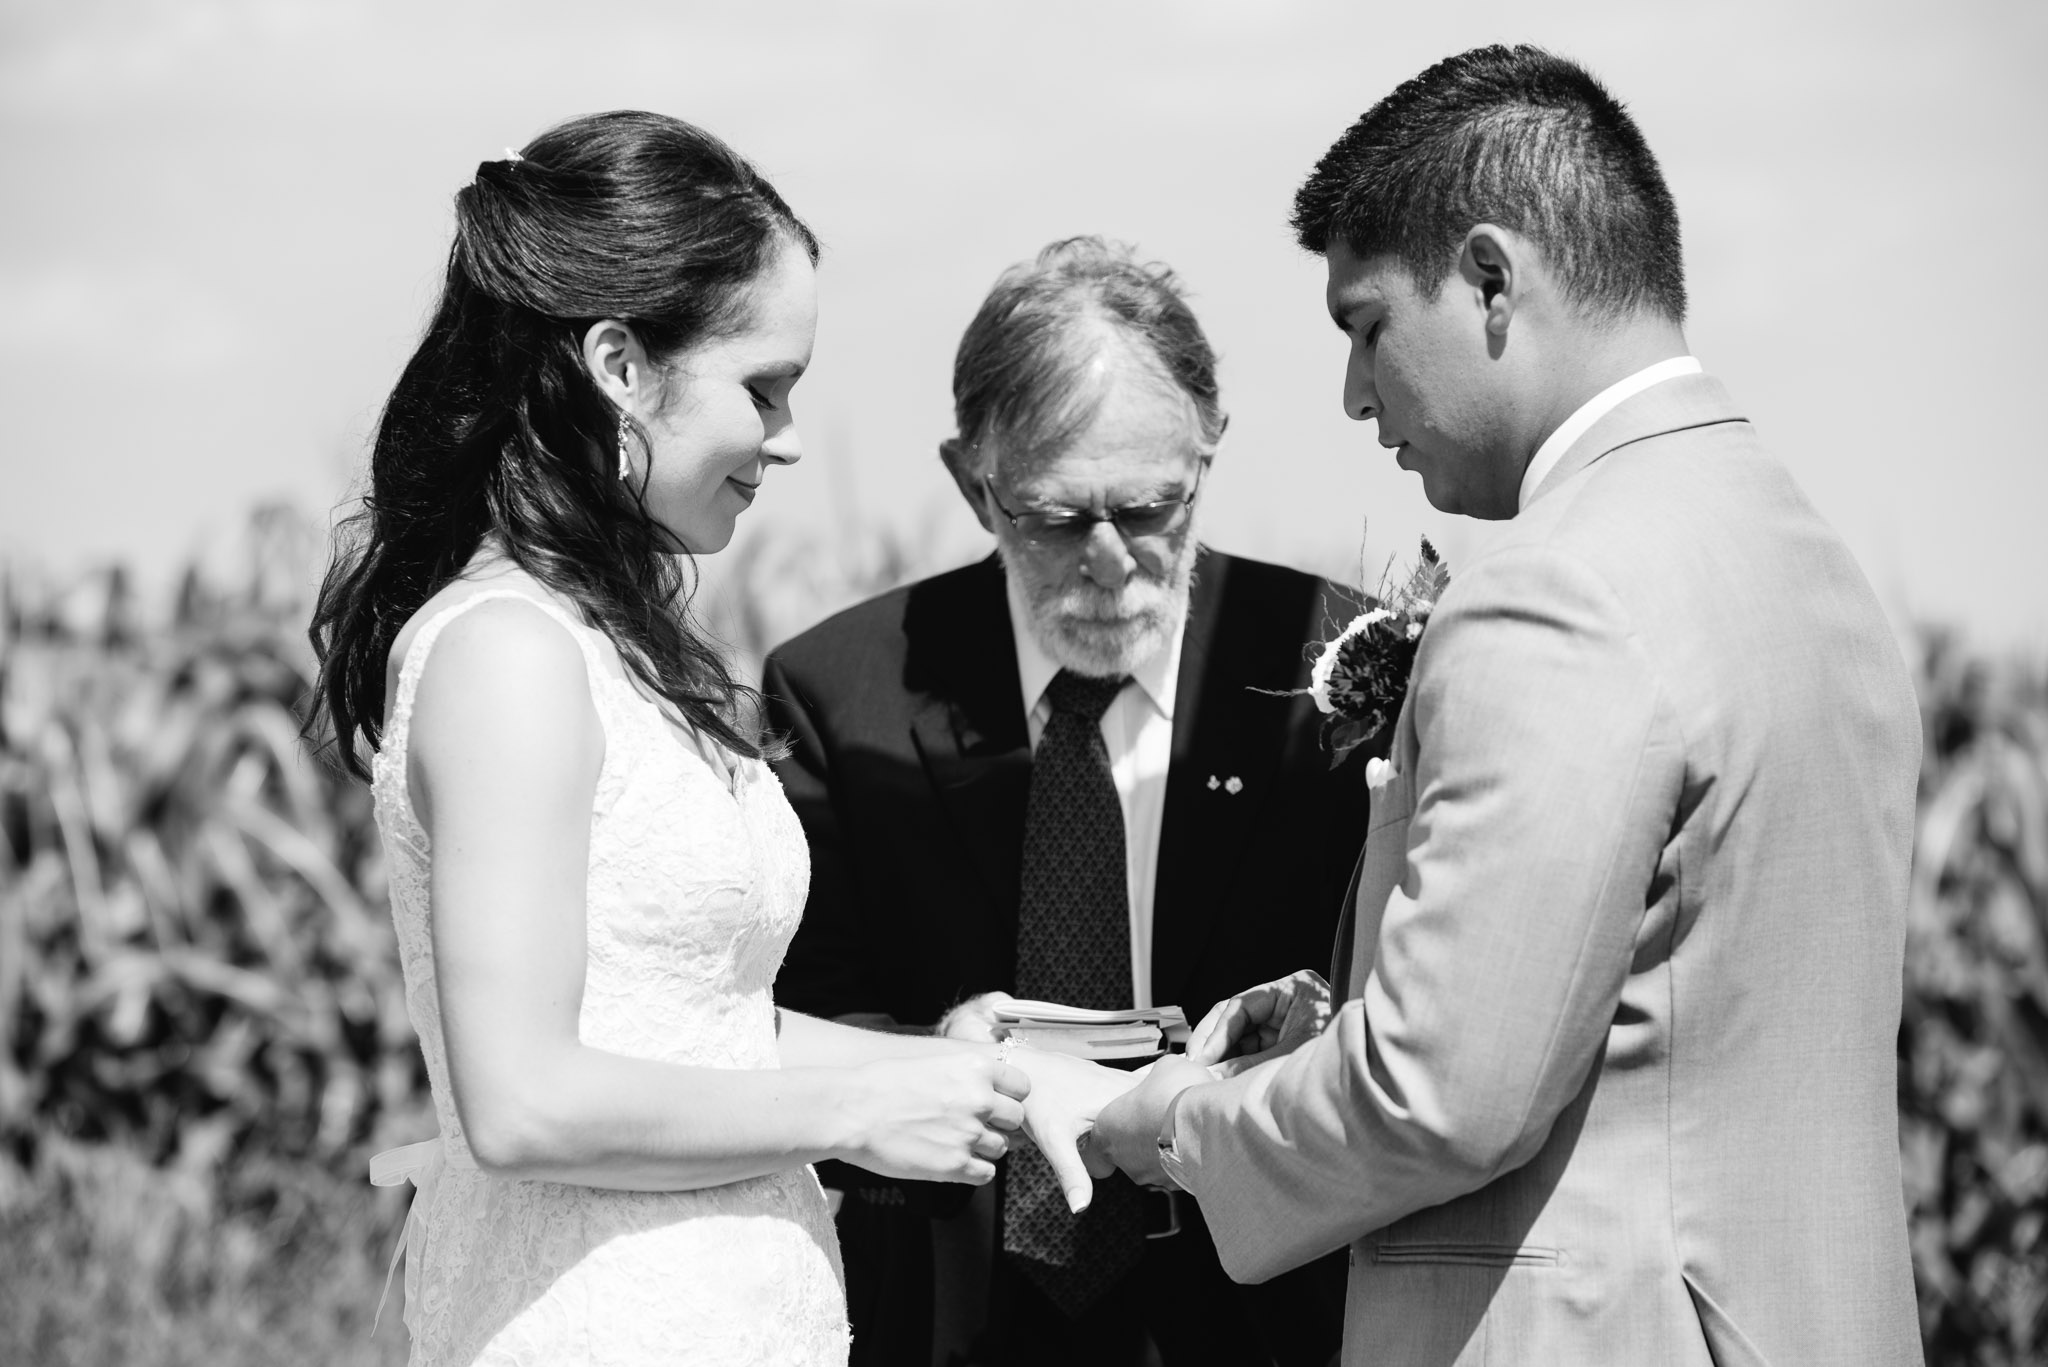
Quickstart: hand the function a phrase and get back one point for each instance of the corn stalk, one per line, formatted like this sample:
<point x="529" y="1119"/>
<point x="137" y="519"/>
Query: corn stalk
<point x="193" y="944"/>
<point x="1973" y="1042"/>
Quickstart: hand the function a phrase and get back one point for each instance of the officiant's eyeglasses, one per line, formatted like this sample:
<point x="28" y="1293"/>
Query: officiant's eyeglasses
<point x="1072" y="526"/>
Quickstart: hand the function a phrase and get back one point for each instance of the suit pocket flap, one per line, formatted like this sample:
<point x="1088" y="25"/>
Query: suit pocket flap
<point x="1469" y="1255"/>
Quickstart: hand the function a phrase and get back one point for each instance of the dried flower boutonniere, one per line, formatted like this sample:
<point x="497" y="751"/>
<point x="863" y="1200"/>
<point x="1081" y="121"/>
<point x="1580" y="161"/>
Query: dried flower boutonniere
<point x="1361" y="677"/>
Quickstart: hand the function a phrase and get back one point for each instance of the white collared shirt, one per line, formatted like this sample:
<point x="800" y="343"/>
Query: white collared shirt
<point x="1138" y="731"/>
<point x="1591" y="411"/>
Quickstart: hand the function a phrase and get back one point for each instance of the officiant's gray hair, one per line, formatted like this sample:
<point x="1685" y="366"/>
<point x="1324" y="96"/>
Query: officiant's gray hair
<point x="1025" y="373"/>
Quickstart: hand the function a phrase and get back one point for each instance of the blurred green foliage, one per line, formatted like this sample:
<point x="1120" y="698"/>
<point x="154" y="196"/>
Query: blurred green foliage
<point x="202" y="1022"/>
<point x="1973" y="1040"/>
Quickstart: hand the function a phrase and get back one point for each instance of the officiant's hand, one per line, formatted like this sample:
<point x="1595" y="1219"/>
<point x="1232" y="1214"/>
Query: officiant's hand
<point x="1127" y="1130"/>
<point x="1066" y="1095"/>
<point x="1262" y="1023"/>
<point x="973" y="1019"/>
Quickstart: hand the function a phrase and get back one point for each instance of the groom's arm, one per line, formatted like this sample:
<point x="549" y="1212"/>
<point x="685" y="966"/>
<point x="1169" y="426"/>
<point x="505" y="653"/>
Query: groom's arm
<point x="1549" y="770"/>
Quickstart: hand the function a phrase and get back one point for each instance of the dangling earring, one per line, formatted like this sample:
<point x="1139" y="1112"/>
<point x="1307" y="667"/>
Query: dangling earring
<point x="625" y="456"/>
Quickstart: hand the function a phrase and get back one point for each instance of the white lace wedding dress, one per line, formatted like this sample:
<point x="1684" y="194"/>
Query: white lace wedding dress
<point x="694" y="893"/>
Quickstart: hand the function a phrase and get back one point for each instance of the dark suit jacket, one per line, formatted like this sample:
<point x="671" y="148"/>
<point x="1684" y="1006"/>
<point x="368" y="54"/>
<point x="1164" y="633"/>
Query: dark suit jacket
<point x="910" y="764"/>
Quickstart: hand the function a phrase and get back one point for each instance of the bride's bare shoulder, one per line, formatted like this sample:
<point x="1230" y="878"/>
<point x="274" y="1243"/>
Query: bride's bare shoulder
<point x="489" y="634"/>
<point x="502" y="704"/>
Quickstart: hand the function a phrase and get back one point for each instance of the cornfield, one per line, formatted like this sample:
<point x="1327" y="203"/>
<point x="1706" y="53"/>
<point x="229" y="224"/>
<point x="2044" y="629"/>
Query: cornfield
<point x="1973" y="1041"/>
<point x="202" y="1023"/>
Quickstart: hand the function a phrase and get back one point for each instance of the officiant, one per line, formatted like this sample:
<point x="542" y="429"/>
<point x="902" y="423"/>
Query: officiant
<point x="1071" y="771"/>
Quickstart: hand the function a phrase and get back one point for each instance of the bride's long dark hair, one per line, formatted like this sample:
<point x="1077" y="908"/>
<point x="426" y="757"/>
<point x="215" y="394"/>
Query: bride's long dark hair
<point x="495" y="429"/>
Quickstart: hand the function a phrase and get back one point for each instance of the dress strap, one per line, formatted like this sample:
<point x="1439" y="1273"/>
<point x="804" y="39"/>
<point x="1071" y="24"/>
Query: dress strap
<point x="416" y="654"/>
<point x="730" y="768"/>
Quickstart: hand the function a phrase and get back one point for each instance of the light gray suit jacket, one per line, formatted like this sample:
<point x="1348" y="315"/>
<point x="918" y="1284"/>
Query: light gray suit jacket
<point x="1616" y="1081"/>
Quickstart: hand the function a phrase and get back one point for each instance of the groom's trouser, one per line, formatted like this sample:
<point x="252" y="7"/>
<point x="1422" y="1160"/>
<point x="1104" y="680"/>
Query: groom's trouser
<point x="1180" y="1297"/>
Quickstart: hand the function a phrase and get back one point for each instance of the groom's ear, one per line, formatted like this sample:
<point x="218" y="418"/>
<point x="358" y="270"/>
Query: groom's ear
<point x="1493" y="264"/>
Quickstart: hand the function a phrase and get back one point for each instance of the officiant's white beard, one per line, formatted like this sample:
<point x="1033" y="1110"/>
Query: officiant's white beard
<point x="1102" y="632"/>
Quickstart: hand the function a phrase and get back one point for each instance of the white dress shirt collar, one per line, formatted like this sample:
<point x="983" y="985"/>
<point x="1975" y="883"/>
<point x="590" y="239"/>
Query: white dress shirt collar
<point x="1591" y="411"/>
<point x="1158" y="676"/>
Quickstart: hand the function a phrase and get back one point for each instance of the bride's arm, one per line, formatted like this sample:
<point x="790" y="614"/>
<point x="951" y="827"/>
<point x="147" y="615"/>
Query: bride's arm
<point x="504" y="756"/>
<point x="810" y="1040"/>
<point x="814" y="1042"/>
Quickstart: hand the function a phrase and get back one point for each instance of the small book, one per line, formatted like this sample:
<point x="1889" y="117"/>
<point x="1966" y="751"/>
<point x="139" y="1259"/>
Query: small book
<point x="1136" y="1032"/>
<point x="1167" y="1018"/>
<point x="1087" y="1041"/>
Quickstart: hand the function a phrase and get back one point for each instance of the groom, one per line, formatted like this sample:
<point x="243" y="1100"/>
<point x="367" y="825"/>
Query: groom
<point x="1612" y="1080"/>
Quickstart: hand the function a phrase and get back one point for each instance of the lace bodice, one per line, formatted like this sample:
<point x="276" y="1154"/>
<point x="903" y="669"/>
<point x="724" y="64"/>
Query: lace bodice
<point x="694" y="891"/>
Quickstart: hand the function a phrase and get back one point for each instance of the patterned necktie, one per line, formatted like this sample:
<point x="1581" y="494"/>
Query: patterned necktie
<point x="1073" y="946"/>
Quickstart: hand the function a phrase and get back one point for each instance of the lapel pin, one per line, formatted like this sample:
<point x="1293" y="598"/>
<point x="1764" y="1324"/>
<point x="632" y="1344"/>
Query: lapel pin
<point x="1233" y="785"/>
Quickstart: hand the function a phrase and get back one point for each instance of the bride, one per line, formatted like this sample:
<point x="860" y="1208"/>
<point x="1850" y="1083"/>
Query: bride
<point x="593" y="873"/>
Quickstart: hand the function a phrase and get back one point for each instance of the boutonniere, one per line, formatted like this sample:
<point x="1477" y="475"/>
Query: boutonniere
<point x="1361" y="675"/>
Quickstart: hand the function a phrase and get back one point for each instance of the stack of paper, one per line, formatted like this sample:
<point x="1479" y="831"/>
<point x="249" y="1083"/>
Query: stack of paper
<point x="1136" y="1033"/>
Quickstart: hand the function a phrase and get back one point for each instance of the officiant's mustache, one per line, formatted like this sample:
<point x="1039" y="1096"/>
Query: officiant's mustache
<point x="1143" y="597"/>
<point x="1094" y="603"/>
<point x="1102" y="630"/>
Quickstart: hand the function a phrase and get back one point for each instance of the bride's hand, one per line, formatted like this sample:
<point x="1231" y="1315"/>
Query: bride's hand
<point x="941" y="1119"/>
<point x="1066" y="1094"/>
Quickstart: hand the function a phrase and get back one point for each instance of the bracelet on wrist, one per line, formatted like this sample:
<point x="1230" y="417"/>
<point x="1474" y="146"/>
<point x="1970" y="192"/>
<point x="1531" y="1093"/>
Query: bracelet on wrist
<point x="1168" y="1139"/>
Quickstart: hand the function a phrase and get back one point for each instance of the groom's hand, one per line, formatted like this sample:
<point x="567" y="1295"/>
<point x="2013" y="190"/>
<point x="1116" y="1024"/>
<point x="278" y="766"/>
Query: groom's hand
<point x="1262" y="1023"/>
<point x="1127" y="1129"/>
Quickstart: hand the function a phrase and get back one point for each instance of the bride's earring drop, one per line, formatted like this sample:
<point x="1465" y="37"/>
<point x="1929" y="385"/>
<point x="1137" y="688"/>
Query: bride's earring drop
<point x="625" y="455"/>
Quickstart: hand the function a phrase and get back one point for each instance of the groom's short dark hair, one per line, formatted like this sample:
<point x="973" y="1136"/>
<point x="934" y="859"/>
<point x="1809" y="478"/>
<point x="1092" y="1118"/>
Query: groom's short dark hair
<point x="1513" y="136"/>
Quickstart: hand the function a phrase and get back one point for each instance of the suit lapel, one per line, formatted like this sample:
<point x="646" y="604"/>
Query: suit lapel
<point x="967" y="723"/>
<point x="1347" y="935"/>
<point x="1222" y="729"/>
<point x="1382" y="866"/>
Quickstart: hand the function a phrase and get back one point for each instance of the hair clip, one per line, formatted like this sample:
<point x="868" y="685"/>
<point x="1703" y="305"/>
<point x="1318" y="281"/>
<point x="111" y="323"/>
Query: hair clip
<point x="511" y="155"/>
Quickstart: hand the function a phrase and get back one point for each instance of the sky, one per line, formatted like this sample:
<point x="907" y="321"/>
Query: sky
<point x="225" y="224"/>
